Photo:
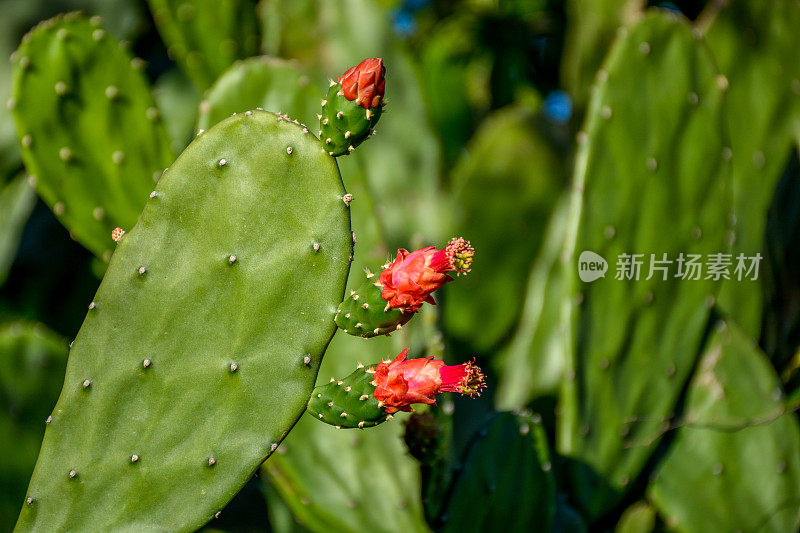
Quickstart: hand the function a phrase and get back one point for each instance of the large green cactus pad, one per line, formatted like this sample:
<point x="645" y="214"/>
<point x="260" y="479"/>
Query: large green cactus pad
<point x="206" y="36"/>
<point x="494" y="175"/>
<point x="273" y="84"/>
<point x="649" y="180"/>
<point x="32" y="362"/>
<point x="757" y="48"/>
<point x="200" y="349"/>
<point x="91" y="136"/>
<point x="738" y="443"/>
<point x="506" y="481"/>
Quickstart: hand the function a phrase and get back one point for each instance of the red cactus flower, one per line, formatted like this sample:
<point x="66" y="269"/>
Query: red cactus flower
<point x="117" y="234"/>
<point x="409" y="281"/>
<point x="402" y="382"/>
<point x="365" y="83"/>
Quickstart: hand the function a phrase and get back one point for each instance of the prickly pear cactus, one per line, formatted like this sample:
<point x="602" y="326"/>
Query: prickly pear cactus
<point x="755" y="46"/>
<point x="267" y="82"/>
<point x="202" y="344"/>
<point x="92" y="140"/>
<point x="32" y="362"/>
<point x="738" y="442"/>
<point x="635" y="340"/>
<point x="206" y="36"/>
<point x="506" y="481"/>
<point x="16" y="203"/>
<point x="484" y="307"/>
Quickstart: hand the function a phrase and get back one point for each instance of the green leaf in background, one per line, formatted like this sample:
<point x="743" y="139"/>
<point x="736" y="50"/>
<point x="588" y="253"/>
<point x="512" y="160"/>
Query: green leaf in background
<point x="738" y="446"/>
<point x="275" y="85"/>
<point x="16" y="203"/>
<point x="205" y="36"/>
<point x="650" y="178"/>
<point x="178" y="100"/>
<point x="32" y="362"/>
<point x="532" y="362"/>
<point x="506" y="481"/>
<point x="91" y="136"/>
<point x="591" y="28"/>
<point x="503" y="204"/>
<point x="756" y="46"/>
<point x="638" y="518"/>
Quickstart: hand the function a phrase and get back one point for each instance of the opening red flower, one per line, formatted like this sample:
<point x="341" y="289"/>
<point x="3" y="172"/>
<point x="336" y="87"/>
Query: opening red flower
<point x="409" y="281"/>
<point x="402" y="382"/>
<point x="365" y="83"/>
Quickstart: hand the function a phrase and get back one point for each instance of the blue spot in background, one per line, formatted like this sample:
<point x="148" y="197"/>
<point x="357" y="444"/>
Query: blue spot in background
<point x="558" y="107"/>
<point x="404" y="23"/>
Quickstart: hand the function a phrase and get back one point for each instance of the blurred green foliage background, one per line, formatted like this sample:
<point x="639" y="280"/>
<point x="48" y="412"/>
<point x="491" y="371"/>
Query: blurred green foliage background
<point x="500" y="127"/>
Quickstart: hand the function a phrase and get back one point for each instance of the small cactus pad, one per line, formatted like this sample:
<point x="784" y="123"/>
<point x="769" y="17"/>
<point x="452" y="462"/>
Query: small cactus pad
<point x="267" y="82"/>
<point x="32" y="362"/>
<point x="205" y="36"/>
<point x="506" y="482"/>
<point x="364" y="312"/>
<point x="343" y="123"/>
<point x="349" y="402"/>
<point x="738" y="442"/>
<point x="91" y="136"/>
<point x="202" y="344"/>
<point x="634" y="338"/>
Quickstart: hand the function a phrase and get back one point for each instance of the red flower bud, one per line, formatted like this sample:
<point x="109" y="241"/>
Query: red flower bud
<point x="409" y="281"/>
<point x="402" y="382"/>
<point x="365" y="83"/>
